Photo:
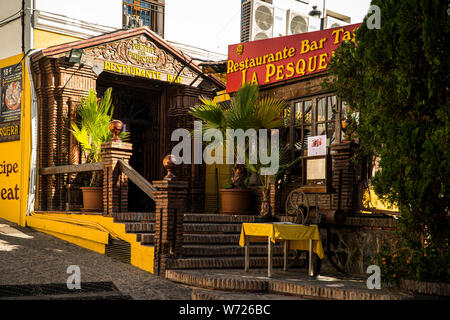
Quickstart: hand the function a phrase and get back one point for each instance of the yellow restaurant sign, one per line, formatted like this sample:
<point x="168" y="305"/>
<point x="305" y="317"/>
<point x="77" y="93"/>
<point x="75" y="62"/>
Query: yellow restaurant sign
<point x="140" y="72"/>
<point x="9" y="129"/>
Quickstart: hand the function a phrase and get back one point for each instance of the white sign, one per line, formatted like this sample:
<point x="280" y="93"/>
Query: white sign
<point x="317" y="146"/>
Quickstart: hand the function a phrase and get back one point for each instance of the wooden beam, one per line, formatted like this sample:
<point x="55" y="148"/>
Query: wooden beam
<point x="138" y="180"/>
<point x="97" y="166"/>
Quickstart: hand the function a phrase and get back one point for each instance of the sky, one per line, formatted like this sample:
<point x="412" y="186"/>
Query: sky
<point x="215" y="24"/>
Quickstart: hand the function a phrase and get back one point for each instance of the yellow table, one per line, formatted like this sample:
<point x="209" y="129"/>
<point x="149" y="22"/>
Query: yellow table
<point x="294" y="236"/>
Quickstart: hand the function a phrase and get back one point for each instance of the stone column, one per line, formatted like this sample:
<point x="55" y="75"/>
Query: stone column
<point x="170" y="207"/>
<point x="115" y="183"/>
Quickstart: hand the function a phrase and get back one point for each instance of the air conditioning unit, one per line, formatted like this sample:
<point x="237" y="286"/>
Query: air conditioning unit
<point x="131" y="22"/>
<point x="314" y="24"/>
<point x="257" y="20"/>
<point x="296" y="23"/>
<point x="332" y="22"/>
<point x="279" y="23"/>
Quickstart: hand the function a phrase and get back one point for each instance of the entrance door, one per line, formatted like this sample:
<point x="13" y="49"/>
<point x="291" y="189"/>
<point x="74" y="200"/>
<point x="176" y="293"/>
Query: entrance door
<point x="139" y="110"/>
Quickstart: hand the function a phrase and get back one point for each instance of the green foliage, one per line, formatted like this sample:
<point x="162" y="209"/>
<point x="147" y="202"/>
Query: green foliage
<point x="92" y="130"/>
<point x="396" y="77"/>
<point x="246" y="111"/>
<point x="422" y="264"/>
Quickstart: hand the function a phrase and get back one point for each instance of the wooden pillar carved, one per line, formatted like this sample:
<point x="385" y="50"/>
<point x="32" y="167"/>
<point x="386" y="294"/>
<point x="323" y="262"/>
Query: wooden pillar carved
<point x="179" y="101"/>
<point x="59" y="87"/>
<point x="52" y="134"/>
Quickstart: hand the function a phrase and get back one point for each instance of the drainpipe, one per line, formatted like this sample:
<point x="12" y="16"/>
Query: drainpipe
<point x="34" y="138"/>
<point x="22" y="18"/>
<point x="33" y="110"/>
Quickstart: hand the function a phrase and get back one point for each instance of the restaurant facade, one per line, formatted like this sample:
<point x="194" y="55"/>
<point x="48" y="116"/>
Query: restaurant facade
<point x="327" y="186"/>
<point x="293" y="69"/>
<point x="153" y="87"/>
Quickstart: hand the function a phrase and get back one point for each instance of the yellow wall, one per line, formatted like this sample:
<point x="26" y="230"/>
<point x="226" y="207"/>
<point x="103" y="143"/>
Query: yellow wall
<point x="44" y="39"/>
<point x="17" y="152"/>
<point x="92" y="232"/>
<point x="213" y="182"/>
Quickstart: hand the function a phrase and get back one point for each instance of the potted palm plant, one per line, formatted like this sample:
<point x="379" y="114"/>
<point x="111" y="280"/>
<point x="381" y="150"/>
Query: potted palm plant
<point x="245" y="111"/>
<point x="91" y="131"/>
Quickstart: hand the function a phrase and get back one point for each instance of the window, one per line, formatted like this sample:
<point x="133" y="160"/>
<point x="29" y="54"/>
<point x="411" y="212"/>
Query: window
<point x="313" y="116"/>
<point x="150" y="12"/>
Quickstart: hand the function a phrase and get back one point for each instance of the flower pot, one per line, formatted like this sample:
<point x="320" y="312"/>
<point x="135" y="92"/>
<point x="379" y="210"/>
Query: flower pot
<point x="92" y="199"/>
<point x="236" y="201"/>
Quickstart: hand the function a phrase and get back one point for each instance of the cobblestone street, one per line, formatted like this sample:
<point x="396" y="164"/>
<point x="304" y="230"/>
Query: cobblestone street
<point x="31" y="257"/>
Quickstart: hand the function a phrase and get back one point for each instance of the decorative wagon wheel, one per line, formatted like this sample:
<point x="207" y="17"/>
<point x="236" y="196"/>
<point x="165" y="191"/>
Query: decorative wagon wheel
<point x="297" y="204"/>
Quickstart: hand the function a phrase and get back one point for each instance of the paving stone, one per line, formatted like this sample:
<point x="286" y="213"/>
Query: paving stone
<point x="39" y="258"/>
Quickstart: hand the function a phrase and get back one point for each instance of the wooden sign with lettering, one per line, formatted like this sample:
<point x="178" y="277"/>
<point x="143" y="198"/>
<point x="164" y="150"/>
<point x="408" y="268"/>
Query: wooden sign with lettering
<point x="140" y="57"/>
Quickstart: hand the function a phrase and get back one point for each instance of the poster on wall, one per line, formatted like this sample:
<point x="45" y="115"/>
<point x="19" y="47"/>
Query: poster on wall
<point x="10" y="102"/>
<point x="317" y="146"/>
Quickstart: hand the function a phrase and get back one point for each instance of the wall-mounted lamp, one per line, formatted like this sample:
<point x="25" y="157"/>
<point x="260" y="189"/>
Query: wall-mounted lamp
<point x="314" y="12"/>
<point x="75" y="55"/>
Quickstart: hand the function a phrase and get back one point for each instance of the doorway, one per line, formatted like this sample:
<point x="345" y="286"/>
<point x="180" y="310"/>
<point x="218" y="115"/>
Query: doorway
<point x="138" y="106"/>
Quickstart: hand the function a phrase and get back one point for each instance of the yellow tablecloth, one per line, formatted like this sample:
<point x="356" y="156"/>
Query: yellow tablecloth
<point x="298" y="235"/>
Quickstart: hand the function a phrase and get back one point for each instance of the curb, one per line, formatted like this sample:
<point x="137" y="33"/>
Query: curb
<point x="272" y="286"/>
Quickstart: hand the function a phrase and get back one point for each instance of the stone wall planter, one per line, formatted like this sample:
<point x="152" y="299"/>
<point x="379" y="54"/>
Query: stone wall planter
<point x="432" y="288"/>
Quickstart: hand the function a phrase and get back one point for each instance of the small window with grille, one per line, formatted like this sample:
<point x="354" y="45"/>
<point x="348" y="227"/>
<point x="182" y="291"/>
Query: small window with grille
<point x="144" y="13"/>
<point x="312" y="116"/>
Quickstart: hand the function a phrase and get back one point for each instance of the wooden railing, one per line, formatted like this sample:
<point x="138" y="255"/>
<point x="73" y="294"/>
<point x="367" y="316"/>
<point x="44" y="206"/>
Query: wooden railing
<point x="97" y="166"/>
<point x="138" y="180"/>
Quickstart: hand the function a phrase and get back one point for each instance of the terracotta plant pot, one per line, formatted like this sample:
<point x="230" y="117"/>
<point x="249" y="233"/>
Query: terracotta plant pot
<point x="92" y="199"/>
<point x="236" y="201"/>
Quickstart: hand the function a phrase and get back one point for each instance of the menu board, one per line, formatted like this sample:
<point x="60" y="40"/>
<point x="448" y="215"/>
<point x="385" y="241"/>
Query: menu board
<point x="10" y="102"/>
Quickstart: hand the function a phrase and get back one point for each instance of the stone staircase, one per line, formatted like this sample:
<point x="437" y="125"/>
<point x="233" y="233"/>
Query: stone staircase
<point x="209" y="241"/>
<point x="140" y="223"/>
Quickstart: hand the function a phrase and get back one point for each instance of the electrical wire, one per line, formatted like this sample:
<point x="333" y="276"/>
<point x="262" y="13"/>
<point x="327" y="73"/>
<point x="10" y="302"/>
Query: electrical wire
<point x="11" y="16"/>
<point x="6" y="21"/>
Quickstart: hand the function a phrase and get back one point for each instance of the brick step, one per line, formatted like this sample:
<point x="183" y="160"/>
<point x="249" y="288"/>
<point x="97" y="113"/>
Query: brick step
<point x="134" y="217"/>
<point x="218" y="218"/>
<point x="192" y="240"/>
<point x="205" y="294"/>
<point x="212" y="228"/>
<point x="222" y="263"/>
<point x="188" y="217"/>
<point x="188" y="228"/>
<point x="211" y="239"/>
<point x="135" y="227"/>
<point x="145" y="238"/>
<point x="198" y="239"/>
<point x="228" y="250"/>
<point x="205" y="281"/>
<point x="294" y="282"/>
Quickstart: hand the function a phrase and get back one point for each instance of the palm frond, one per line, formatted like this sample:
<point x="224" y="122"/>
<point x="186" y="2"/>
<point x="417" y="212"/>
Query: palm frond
<point x="211" y="113"/>
<point x="93" y="128"/>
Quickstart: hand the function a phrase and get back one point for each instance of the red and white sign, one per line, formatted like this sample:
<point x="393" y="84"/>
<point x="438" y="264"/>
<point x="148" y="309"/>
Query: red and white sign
<point x="283" y="58"/>
<point x="317" y="145"/>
